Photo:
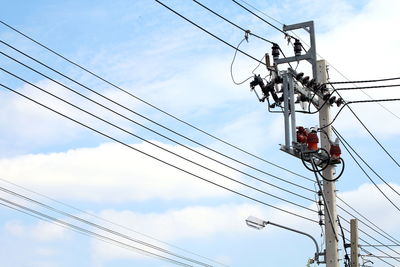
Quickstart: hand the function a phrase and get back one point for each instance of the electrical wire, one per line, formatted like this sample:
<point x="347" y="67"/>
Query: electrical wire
<point x="348" y="81"/>
<point x="208" y="32"/>
<point x="77" y="218"/>
<point x="367" y="261"/>
<point x="346" y="104"/>
<point x="257" y="16"/>
<point x="358" y="155"/>
<point x="232" y="23"/>
<point x="366" y="81"/>
<point x="344" y="143"/>
<point x="363" y="249"/>
<point x="111" y="222"/>
<point x="346" y="257"/>
<point x="373" y="229"/>
<point x="379" y="245"/>
<point x="151" y="105"/>
<point x="80" y="229"/>
<point x="233" y="61"/>
<point x="149" y="129"/>
<point x="265" y="14"/>
<point x="380" y="232"/>
<point x="162" y="148"/>
<point x="384" y="257"/>
<point x="367" y="87"/>
<point x="136" y="113"/>
<point x="370" y="97"/>
<point x="371" y="134"/>
<point x="344" y="219"/>
<point x="158" y="159"/>
<point x="327" y="209"/>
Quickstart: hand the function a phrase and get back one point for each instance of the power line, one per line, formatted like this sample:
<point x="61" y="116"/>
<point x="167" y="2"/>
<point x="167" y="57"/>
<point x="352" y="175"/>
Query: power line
<point x="371" y="228"/>
<point x="136" y="113"/>
<point x="384" y="257"/>
<point x="233" y="61"/>
<point x="158" y="159"/>
<point x="265" y="14"/>
<point x="381" y="232"/>
<point x="370" y="133"/>
<point x="167" y="150"/>
<point x="234" y="24"/>
<point x="146" y="118"/>
<point x="347" y="104"/>
<point x="379" y="245"/>
<point x="345" y="82"/>
<point x="367" y="87"/>
<point x="365" y="93"/>
<point x="80" y="229"/>
<point x="208" y="32"/>
<point x="77" y="218"/>
<point x="111" y="222"/>
<point x="257" y="16"/>
<point x="164" y="136"/>
<point x="151" y="105"/>
<point x="366" y="81"/>
<point x="366" y="251"/>
<point x="370" y="236"/>
<point x="348" y="240"/>
<point x="344" y="143"/>
<point x="317" y="53"/>
<point x="374" y="240"/>
<point x="358" y="155"/>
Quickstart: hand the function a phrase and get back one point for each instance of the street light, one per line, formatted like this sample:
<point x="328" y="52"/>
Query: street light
<point x="258" y="224"/>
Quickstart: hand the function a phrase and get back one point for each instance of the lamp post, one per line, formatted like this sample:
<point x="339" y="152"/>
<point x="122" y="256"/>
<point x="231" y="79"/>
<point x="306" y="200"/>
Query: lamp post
<point x="259" y="224"/>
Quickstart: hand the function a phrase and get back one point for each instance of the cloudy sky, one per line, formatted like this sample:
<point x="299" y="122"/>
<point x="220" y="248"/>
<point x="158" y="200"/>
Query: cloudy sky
<point x="122" y="186"/>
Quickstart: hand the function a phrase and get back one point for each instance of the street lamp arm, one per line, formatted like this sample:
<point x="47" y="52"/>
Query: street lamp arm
<point x="300" y="232"/>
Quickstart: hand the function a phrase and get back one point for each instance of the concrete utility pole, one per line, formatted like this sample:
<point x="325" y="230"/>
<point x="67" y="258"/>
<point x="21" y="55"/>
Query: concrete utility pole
<point x="354" y="242"/>
<point x="329" y="188"/>
<point x="320" y="75"/>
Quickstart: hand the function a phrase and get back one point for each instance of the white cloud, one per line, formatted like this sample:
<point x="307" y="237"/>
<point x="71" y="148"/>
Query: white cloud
<point x="95" y="174"/>
<point x="372" y="204"/>
<point x="41" y="231"/>
<point x="193" y="223"/>
<point x="173" y="225"/>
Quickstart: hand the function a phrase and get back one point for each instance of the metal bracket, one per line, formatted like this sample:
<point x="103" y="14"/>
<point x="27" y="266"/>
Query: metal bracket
<point x="311" y="54"/>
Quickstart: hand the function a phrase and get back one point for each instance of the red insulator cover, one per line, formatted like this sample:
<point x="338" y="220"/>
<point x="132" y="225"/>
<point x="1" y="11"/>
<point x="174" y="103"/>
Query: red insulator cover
<point x="312" y="141"/>
<point x="301" y="135"/>
<point x="335" y="151"/>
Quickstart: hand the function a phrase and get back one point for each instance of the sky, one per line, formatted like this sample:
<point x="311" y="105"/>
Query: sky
<point x="156" y="56"/>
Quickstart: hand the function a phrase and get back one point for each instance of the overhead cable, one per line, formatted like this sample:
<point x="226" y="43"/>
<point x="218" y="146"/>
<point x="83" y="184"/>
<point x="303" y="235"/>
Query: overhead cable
<point x="232" y="23"/>
<point x="208" y="32"/>
<point x="149" y="129"/>
<point x="109" y="221"/>
<point x="371" y="134"/>
<point x="366" y="81"/>
<point x="367" y="87"/>
<point x="159" y="146"/>
<point x="151" y="105"/>
<point x="366" y="174"/>
<point x="257" y="16"/>
<point x="97" y="235"/>
<point x="116" y="233"/>
<point x="138" y="114"/>
<point x="358" y="155"/>
<point x="158" y="159"/>
<point x="377" y="248"/>
<point x="381" y="232"/>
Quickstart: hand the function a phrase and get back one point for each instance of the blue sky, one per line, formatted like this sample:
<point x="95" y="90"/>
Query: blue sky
<point x="157" y="56"/>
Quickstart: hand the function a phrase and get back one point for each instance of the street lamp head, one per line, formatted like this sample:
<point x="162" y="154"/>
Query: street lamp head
<point x="255" y="222"/>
